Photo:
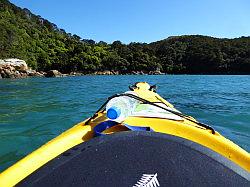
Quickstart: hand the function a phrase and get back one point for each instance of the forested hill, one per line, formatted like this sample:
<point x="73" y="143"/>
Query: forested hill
<point x="44" y="46"/>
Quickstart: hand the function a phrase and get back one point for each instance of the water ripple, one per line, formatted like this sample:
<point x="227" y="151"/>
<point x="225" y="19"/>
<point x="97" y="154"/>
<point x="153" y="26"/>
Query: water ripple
<point x="33" y="111"/>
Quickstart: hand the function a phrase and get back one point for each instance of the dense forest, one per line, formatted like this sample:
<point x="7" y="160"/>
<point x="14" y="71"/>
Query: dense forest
<point x="44" y="46"/>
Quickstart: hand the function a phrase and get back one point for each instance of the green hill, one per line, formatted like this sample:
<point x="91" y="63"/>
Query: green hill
<point x="44" y="46"/>
<point x="202" y="54"/>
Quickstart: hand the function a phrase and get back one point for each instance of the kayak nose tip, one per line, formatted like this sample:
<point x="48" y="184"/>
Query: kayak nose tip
<point x="140" y="86"/>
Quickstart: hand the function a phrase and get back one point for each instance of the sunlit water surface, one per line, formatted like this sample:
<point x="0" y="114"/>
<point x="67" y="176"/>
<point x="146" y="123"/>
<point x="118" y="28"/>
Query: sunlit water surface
<point x="35" y="110"/>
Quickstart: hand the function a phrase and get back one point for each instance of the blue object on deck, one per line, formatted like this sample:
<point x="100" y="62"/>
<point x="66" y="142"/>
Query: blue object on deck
<point x="113" y="113"/>
<point x="98" y="129"/>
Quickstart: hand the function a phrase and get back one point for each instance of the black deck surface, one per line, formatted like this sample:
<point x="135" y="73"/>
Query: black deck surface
<point x="121" y="159"/>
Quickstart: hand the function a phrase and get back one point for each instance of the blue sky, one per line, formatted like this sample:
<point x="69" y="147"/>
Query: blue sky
<point x="144" y="20"/>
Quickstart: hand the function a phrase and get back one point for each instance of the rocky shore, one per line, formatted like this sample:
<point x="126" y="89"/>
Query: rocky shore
<point x="16" y="68"/>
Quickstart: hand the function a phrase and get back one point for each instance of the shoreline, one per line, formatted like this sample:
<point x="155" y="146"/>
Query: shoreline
<point x="77" y="74"/>
<point x="16" y="68"/>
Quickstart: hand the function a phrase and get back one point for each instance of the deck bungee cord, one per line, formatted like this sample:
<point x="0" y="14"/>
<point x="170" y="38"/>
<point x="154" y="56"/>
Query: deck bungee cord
<point x="144" y="101"/>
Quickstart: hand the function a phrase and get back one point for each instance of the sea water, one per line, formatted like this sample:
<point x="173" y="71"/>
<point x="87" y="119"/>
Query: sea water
<point x="35" y="110"/>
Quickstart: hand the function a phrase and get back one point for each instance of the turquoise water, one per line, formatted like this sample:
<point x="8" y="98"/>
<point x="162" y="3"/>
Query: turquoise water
<point x="33" y="111"/>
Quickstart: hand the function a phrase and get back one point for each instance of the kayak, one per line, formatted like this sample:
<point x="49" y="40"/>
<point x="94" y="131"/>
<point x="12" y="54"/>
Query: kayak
<point x="156" y="145"/>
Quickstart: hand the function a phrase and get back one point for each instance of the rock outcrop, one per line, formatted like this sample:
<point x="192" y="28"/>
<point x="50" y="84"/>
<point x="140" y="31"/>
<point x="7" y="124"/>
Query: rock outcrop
<point x="106" y="72"/>
<point x="54" y="73"/>
<point x="158" y="72"/>
<point x="19" y="65"/>
<point x="16" y="68"/>
<point x="76" y="74"/>
<point x="138" y="73"/>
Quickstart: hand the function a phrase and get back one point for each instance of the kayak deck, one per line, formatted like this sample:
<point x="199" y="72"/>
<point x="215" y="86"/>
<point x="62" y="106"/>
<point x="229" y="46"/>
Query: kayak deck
<point x="122" y="158"/>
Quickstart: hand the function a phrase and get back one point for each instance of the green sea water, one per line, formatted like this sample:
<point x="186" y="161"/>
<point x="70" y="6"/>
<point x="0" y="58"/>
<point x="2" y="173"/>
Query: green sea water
<point x="35" y="110"/>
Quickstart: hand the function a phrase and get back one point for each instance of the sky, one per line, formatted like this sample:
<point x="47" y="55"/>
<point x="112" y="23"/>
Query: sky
<point x="144" y="20"/>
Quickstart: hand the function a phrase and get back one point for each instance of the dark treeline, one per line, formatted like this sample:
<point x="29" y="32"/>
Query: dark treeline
<point x="44" y="46"/>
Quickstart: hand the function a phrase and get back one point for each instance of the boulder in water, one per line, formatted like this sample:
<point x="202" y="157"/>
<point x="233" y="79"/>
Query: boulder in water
<point x="53" y="73"/>
<point x="157" y="72"/>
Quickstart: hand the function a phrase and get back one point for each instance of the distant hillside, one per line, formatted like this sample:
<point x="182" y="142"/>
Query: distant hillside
<point x="44" y="46"/>
<point x="202" y="54"/>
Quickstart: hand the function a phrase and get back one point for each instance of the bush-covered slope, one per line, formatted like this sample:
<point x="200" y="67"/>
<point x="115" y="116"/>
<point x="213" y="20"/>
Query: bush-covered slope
<point x="202" y="54"/>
